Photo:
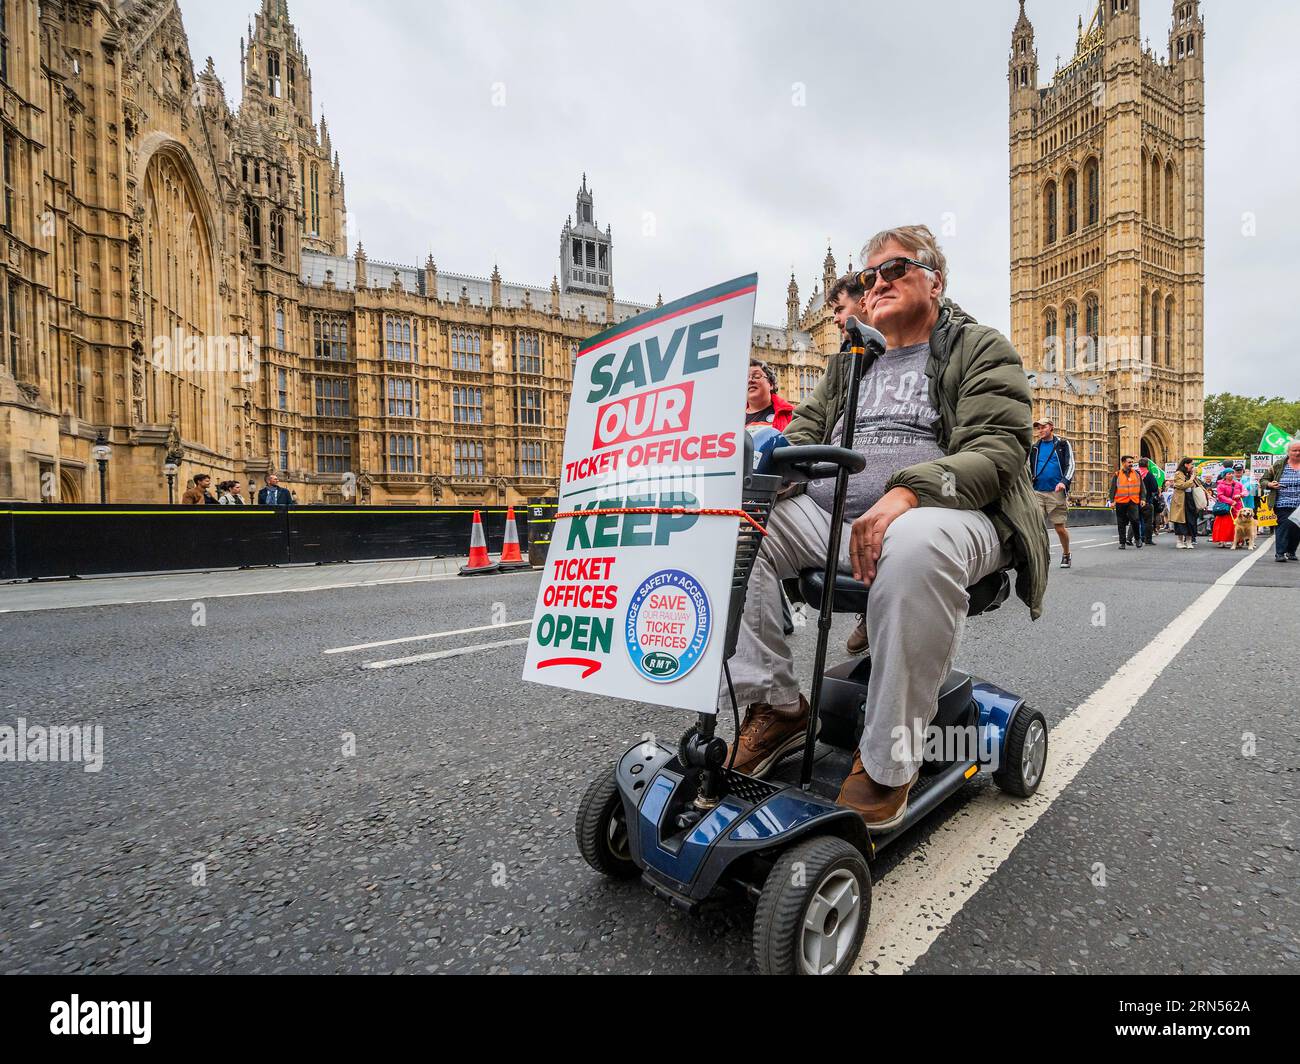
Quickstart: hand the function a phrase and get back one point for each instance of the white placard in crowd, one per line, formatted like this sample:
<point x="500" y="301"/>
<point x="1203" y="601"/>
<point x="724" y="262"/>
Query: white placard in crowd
<point x="636" y="604"/>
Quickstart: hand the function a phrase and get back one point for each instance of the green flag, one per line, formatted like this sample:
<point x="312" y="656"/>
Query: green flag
<point x="1274" y="440"/>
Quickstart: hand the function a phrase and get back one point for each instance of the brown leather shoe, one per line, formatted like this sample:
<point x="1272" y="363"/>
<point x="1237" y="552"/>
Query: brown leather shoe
<point x="880" y="807"/>
<point x="765" y="737"/>
<point x="857" y="641"/>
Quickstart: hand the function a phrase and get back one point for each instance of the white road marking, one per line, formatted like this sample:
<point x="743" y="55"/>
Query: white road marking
<point x="921" y="895"/>
<point x="437" y="655"/>
<point x="431" y="635"/>
<point x="205" y="595"/>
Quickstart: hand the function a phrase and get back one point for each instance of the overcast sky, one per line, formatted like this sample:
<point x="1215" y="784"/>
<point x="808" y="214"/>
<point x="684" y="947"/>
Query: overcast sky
<point x="721" y="138"/>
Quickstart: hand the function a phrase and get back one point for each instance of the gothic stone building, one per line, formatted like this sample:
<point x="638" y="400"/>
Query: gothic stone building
<point x="1108" y="237"/>
<point x="176" y="276"/>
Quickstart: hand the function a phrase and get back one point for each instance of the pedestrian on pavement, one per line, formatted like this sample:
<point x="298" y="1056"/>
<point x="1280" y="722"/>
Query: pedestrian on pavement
<point x="762" y="405"/>
<point x="1150" y="500"/>
<point x="1051" y="464"/>
<point x="273" y="494"/>
<point x="230" y="494"/>
<point x="1126" y="493"/>
<point x="1227" y="504"/>
<point x="1283" y="486"/>
<point x="197" y="494"/>
<point x="1182" y="505"/>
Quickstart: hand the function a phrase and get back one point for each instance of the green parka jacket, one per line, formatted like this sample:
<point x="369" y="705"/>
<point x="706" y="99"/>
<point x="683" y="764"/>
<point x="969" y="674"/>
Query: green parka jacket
<point x="978" y="386"/>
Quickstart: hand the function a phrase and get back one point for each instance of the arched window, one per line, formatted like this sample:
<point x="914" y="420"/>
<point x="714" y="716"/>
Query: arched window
<point x="1169" y="331"/>
<point x="1169" y="196"/>
<point x="277" y="233"/>
<point x="1143" y="168"/>
<point x="253" y="226"/>
<point x="1071" y="334"/>
<point x="1049" y="212"/>
<point x="1092" y="327"/>
<point x="1156" y="174"/>
<point x="1156" y="309"/>
<point x="178" y="294"/>
<point x="1092" y="191"/>
<point x="1071" y="203"/>
<point x="1050" y="361"/>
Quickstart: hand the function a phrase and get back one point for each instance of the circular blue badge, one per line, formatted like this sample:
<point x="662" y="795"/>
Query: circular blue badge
<point x="668" y="625"/>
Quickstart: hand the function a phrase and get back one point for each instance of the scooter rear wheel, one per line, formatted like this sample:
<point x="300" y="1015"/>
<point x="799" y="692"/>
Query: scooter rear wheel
<point x="1024" y="755"/>
<point x="813" y="910"/>
<point x="601" y="829"/>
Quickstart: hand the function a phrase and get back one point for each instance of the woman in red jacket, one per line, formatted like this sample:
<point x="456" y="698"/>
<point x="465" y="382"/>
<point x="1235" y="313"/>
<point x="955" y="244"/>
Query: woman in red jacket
<point x="1227" y="494"/>
<point x="762" y="405"/>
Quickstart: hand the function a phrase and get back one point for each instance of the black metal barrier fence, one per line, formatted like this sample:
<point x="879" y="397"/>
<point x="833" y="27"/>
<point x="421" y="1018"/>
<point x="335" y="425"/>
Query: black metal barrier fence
<point x="1090" y="515"/>
<point x="38" y="541"/>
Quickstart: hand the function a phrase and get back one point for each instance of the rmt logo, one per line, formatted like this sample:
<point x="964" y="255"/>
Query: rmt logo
<point x="120" y="1018"/>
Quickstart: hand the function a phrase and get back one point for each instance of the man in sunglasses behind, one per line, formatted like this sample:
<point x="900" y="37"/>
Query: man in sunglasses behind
<point x="944" y="422"/>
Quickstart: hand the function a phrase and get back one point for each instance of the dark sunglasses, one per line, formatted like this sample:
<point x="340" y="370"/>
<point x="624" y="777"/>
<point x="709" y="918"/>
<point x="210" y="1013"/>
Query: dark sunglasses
<point x="890" y="270"/>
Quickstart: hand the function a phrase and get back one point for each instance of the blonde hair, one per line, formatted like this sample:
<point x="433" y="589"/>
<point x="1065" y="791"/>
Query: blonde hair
<point x="918" y="241"/>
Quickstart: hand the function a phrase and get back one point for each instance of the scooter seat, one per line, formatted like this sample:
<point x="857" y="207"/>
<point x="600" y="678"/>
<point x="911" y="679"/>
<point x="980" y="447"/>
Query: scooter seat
<point x="851" y="595"/>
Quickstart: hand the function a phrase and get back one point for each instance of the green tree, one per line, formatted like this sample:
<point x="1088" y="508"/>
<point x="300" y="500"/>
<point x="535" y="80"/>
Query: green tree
<point x="1234" y="423"/>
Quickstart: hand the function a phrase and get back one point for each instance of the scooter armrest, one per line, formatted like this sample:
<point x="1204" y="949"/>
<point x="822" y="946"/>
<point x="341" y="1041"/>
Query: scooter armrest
<point x="814" y="462"/>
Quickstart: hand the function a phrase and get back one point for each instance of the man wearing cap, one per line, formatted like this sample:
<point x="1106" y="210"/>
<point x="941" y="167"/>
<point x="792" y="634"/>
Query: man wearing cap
<point x="1051" y="464"/>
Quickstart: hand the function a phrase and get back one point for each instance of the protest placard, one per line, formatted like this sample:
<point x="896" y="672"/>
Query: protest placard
<point x="635" y="594"/>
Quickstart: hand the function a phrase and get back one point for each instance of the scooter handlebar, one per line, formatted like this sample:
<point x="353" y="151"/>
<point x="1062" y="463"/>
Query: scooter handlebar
<point x="814" y="461"/>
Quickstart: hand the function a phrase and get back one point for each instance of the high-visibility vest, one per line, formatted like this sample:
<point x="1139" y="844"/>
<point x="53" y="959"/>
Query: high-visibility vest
<point x="1128" y="487"/>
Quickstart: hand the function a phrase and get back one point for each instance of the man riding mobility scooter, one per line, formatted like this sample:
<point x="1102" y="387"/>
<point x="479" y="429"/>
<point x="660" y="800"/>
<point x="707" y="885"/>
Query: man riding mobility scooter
<point x="688" y="825"/>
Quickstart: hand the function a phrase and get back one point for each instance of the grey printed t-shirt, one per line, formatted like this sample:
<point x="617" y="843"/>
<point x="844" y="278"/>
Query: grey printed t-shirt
<point x="895" y="429"/>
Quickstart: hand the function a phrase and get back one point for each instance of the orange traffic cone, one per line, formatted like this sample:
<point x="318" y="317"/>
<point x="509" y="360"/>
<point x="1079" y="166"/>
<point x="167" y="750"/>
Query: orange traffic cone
<point x="479" y="562"/>
<point x="511" y="558"/>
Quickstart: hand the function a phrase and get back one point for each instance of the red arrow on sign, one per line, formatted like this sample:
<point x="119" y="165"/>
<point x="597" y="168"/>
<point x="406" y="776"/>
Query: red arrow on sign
<point x="588" y="665"/>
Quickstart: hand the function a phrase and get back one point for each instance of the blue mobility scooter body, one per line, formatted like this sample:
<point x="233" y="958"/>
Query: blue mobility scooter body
<point x="686" y="824"/>
<point x="685" y="865"/>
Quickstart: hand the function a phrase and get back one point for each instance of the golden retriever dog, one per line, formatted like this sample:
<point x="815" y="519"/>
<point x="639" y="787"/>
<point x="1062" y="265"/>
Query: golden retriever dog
<point x="1243" y="537"/>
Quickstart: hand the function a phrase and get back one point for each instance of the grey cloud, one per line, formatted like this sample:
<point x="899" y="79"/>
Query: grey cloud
<point x="684" y="110"/>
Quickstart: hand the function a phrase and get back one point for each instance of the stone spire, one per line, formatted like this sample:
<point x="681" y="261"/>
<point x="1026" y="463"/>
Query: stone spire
<point x="430" y="277"/>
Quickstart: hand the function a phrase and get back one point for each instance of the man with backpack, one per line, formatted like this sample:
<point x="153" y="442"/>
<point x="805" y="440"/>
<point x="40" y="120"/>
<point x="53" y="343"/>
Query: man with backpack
<point x="1051" y="465"/>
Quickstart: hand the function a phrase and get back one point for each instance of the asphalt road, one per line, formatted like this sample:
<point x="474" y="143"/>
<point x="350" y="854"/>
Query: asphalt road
<point x="264" y="806"/>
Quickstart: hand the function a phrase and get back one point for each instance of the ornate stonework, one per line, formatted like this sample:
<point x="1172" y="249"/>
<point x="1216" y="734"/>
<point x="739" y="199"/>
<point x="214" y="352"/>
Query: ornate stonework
<point x="145" y="214"/>
<point x="1108" y="237"/>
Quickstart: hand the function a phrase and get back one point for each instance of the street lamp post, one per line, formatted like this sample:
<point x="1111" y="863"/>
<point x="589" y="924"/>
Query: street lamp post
<point x="175" y="455"/>
<point x="102" y="453"/>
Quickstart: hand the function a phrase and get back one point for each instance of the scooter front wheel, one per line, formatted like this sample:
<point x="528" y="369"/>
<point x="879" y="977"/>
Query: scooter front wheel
<point x="813" y="910"/>
<point x="601" y="829"/>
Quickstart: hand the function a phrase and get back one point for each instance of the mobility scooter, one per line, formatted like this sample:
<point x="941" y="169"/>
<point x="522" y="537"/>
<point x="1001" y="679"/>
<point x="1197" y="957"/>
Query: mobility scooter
<point x="679" y="818"/>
